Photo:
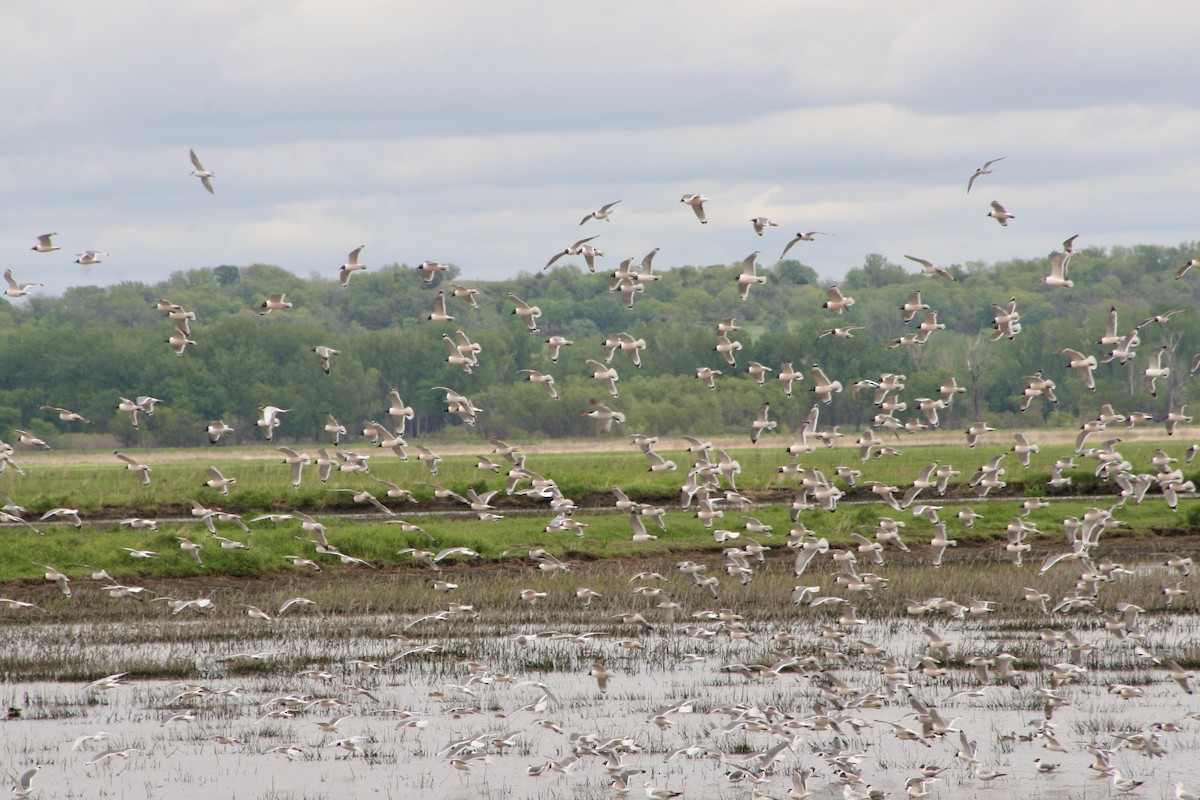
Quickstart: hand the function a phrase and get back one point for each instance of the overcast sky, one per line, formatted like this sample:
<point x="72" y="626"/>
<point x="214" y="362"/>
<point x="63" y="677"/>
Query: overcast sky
<point x="480" y="133"/>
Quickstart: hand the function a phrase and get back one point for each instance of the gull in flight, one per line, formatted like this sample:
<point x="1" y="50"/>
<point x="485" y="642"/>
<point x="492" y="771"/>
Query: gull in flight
<point x="999" y="214"/>
<point x="324" y="354"/>
<point x="17" y="289"/>
<point x="984" y="170"/>
<point x="275" y="301"/>
<point x="802" y="236"/>
<point x="604" y="213"/>
<point x="132" y="465"/>
<point x="430" y="269"/>
<point x="89" y="257"/>
<point x="200" y="172"/>
<point x="66" y="415"/>
<point x="929" y="268"/>
<point x="696" y="201"/>
<point x="268" y="420"/>
<point x="216" y="429"/>
<point x="574" y="250"/>
<point x="749" y="275"/>
<point x="528" y="314"/>
<point x="762" y="223"/>
<point x="44" y="245"/>
<point x="350" y="267"/>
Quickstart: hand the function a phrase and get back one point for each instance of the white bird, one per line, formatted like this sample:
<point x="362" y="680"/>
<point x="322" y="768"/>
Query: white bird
<point x="44" y="245"/>
<point x="603" y="213"/>
<point x="1058" y="271"/>
<point x="89" y="257"/>
<point x="268" y="420"/>
<point x="803" y="236"/>
<point x="273" y="303"/>
<point x="218" y="481"/>
<point x="143" y="471"/>
<point x="15" y="289"/>
<point x="984" y="170"/>
<point x="351" y="266"/>
<point x="324" y="354"/>
<point x="929" y="268"/>
<point x="574" y="250"/>
<point x="544" y="379"/>
<point x="604" y="417"/>
<point x="528" y="314"/>
<point x="762" y="223"/>
<point x="430" y="269"/>
<point x="837" y="302"/>
<point x="200" y="172"/>
<point x="999" y="214"/>
<point x="696" y="201"/>
<point x="749" y="275"/>
<point x="439" y="313"/>
<point x="216" y="429"/>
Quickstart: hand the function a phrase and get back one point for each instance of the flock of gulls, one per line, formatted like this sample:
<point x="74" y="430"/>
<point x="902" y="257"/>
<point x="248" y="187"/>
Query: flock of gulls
<point x="802" y="754"/>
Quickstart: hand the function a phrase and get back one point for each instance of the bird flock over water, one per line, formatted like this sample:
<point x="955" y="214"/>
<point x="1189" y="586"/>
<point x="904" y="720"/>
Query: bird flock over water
<point x="709" y="490"/>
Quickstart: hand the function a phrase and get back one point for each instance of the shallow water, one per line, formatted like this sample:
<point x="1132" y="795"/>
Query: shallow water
<point x="180" y="760"/>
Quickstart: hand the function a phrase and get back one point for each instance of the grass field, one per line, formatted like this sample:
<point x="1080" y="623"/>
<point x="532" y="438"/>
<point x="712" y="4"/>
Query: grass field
<point x="104" y="491"/>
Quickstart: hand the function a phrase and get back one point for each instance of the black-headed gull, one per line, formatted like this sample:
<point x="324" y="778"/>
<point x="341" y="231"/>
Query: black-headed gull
<point x="350" y="267"/>
<point x="44" y="245"/>
<point x="603" y="213"/>
<point x="999" y="214"/>
<point x="200" y="172"/>
<point x="984" y="170"/>
<point x="696" y="201"/>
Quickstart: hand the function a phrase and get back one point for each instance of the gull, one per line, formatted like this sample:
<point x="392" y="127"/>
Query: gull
<point x="604" y="212"/>
<point x="323" y="355"/>
<point x="758" y="372"/>
<point x="929" y="268"/>
<point x="15" y="289"/>
<point x="604" y="417"/>
<point x="762" y="223"/>
<point x="134" y="553"/>
<point x="696" y="201"/>
<point x="801" y="237"/>
<point x="999" y="214"/>
<point x="399" y="412"/>
<point x="29" y="439"/>
<point x="822" y="386"/>
<point x="142" y="470"/>
<point x="708" y="375"/>
<point x="1084" y="366"/>
<point x="984" y="170"/>
<point x="1176" y="416"/>
<point x="761" y="423"/>
<point x="787" y="376"/>
<point x="837" y="302"/>
<point x="1156" y="370"/>
<point x="528" y="314"/>
<point x="216" y="429"/>
<point x="1191" y="262"/>
<point x="200" y="172"/>
<point x="273" y="303"/>
<point x="66" y="415"/>
<point x="71" y="515"/>
<point x="268" y="420"/>
<point x="44" y="245"/>
<point x="749" y="275"/>
<point x="554" y="344"/>
<point x="840" y="333"/>
<point x="350" y="267"/>
<point x="89" y="257"/>
<point x="107" y="754"/>
<point x="366" y="497"/>
<point x="607" y="376"/>
<point x="466" y="293"/>
<point x="574" y="250"/>
<point x="1162" y="318"/>
<point x="439" y="309"/>
<point x="430" y="269"/>
<point x="727" y="348"/>
<point x="544" y="379"/>
<point x="179" y="341"/>
<point x="1058" y="270"/>
<point x="428" y="457"/>
<point x="296" y="461"/>
<point x="218" y="481"/>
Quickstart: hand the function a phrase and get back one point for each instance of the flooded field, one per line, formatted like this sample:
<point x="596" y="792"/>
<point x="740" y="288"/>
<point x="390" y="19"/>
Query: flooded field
<point x="503" y="697"/>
